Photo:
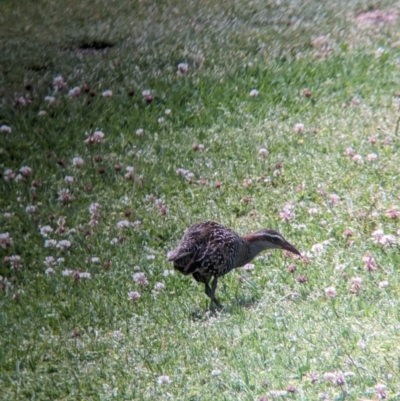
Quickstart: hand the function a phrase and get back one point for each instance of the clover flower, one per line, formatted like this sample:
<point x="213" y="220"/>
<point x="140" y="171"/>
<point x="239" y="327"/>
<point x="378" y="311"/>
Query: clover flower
<point x="133" y="295"/>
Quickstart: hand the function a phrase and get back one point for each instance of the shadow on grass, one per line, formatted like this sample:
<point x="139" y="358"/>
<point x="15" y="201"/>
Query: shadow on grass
<point x="242" y="302"/>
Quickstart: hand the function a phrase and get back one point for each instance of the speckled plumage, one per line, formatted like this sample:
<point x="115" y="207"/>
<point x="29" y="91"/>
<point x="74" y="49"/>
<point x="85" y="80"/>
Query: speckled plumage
<point x="210" y="250"/>
<point x="206" y="248"/>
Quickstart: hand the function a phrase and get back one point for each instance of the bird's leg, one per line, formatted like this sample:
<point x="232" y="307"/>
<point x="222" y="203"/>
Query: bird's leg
<point x="212" y="293"/>
<point x="209" y="294"/>
<point x="207" y="290"/>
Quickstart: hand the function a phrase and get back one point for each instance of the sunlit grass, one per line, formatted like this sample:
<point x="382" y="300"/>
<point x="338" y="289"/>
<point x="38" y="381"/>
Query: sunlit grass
<point x="305" y="82"/>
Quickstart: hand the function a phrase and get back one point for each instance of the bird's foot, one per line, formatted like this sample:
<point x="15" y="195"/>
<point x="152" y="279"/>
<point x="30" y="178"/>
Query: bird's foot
<point x="214" y="306"/>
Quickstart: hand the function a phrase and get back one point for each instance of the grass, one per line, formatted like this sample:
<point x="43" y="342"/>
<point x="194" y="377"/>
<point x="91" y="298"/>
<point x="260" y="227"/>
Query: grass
<point x="68" y="338"/>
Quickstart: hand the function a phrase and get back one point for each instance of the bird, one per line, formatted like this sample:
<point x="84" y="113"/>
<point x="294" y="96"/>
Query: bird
<point x="209" y="250"/>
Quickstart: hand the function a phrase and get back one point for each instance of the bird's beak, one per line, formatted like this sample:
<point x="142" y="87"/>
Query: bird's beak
<point x="289" y="247"/>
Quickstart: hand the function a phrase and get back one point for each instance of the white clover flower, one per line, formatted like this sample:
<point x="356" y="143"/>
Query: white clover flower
<point x="64" y="244"/>
<point x="330" y="292"/>
<point x="123" y="224"/>
<point x="384" y="239"/>
<point x="349" y="152"/>
<point x="329" y="376"/>
<point x="68" y="179"/>
<point x="253" y="93"/>
<point x="117" y="334"/>
<point x="93" y="223"/>
<point x="189" y="176"/>
<point x="96" y="137"/>
<point x="49" y="261"/>
<point x="248" y="266"/>
<point x="50" y="99"/>
<point x="317" y="249"/>
<point x="181" y="171"/>
<point x="94" y="213"/>
<point x="140" y="278"/>
<point x="107" y="93"/>
<point x="67" y="272"/>
<point x="25" y="171"/>
<point x="58" y="82"/>
<point x="133" y="295"/>
<point x="198" y="147"/>
<point x="64" y="195"/>
<point x="278" y="393"/>
<point x="262" y="152"/>
<point x="183" y="68"/>
<point x="77" y="161"/>
<point x="45" y="231"/>
<point x="129" y="172"/>
<point x="50" y="243"/>
<point x="298" y="128"/>
<point x="74" y="92"/>
<point x="163" y="380"/>
<point x="8" y="174"/>
<point x="14" y="261"/>
<point x="168" y="273"/>
<point x="287" y="213"/>
<point x="5" y="129"/>
<point x="30" y="209"/>
<point x="388" y="240"/>
<point x="159" y="286"/>
<point x="334" y="199"/>
<point x="93" y="208"/>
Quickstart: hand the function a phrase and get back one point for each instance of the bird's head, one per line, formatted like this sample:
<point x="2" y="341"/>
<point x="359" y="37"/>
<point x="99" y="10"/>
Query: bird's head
<point x="270" y="239"/>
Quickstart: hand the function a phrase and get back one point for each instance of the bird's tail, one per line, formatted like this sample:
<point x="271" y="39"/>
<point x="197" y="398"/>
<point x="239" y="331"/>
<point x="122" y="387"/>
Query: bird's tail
<point x="171" y="255"/>
<point x="176" y="254"/>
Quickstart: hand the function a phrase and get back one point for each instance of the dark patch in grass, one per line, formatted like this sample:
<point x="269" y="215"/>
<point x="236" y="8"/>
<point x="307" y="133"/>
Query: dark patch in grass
<point x="89" y="47"/>
<point x="96" y="45"/>
<point x="37" y="67"/>
<point x="244" y="302"/>
<point x="198" y="315"/>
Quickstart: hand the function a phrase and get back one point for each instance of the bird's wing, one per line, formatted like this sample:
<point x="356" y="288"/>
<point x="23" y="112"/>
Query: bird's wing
<point x="190" y="252"/>
<point x="204" y="248"/>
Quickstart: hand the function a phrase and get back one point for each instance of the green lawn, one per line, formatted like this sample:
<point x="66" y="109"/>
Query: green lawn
<point x="280" y="114"/>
